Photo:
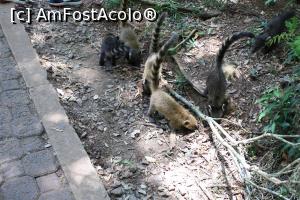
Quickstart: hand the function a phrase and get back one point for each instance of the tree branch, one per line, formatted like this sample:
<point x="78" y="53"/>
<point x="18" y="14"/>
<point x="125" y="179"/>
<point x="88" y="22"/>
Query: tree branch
<point x="278" y="137"/>
<point x="179" y="46"/>
<point x="266" y="190"/>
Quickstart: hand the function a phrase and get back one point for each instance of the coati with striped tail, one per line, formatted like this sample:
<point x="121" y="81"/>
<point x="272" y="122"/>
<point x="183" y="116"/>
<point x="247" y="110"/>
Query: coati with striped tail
<point x="152" y="70"/>
<point x="216" y="82"/>
<point x="130" y="39"/>
<point x="275" y="27"/>
<point x="178" y="117"/>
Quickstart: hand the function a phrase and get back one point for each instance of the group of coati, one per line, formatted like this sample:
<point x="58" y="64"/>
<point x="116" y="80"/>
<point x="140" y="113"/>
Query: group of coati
<point x="127" y="46"/>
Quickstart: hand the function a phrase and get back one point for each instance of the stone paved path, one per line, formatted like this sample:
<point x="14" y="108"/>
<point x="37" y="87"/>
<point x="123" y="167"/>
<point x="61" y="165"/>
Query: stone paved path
<point x="29" y="169"/>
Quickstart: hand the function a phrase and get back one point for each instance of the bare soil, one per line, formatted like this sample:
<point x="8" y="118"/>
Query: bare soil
<point x="133" y="153"/>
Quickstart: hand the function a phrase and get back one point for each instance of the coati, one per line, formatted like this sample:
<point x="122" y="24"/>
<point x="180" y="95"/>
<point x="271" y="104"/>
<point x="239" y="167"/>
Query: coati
<point x="152" y="70"/>
<point x="216" y="82"/>
<point x="130" y="39"/>
<point x="176" y="114"/>
<point x="162" y="102"/>
<point x="274" y="27"/>
<point x="108" y="54"/>
<point x="156" y="32"/>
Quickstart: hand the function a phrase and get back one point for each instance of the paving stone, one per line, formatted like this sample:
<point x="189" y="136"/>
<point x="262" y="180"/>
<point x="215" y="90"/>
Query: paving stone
<point x="9" y="74"/>
<point x="4" y="50"/>
<point x="5" y="131"/>
<point x="8" y="63"/>
<point x="57" y="195"/>
<point x="31" y="144"/>
<point x="19" y="111"/>
<point x="10" y="149"/>
<point x="21" y="188"/>
<point x="27" y="126"/>
<point x="12" y="169"/>
<point x="40" y="163"/>
<point x="48" y="183"/>
<point x="15" y="97"/>
<point x="10" y="85"/>
<point x="5" y="115"/>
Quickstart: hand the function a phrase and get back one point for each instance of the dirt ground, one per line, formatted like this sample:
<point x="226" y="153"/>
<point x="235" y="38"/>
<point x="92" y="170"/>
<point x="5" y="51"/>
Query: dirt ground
<point x="132" y="152"/>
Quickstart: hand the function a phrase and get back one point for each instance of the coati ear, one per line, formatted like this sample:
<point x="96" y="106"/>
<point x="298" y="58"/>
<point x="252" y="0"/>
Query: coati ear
<point x="186" y="123"/>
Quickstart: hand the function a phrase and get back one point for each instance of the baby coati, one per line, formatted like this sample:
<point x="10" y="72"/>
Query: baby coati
<point x="275" y="27"/>
<point x="152" y="70"/>
<point x="108" y="53"/>
<point x="130" y="39"/>
<point x="216" y="82"/>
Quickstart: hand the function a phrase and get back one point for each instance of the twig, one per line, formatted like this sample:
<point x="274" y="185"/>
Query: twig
<point x="267" y="190"/>
<point x="233" y="141"/>
<point x="278" y="137"/>
<point x="203" y="15"/>
<point x="287" y="167"/>
<point x="179" y="46"/>
<point x="204" y="189"/>
<point x="234" y="123"/>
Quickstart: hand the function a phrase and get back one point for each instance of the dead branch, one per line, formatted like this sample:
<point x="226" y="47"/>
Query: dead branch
<point x="287" y="167"/>
<point x="246" y="170"/>
<point x="180" y="45"/>
<point x="267" y="190"/>
<point x="278" y="137"/>
<point x="203" y="15"/>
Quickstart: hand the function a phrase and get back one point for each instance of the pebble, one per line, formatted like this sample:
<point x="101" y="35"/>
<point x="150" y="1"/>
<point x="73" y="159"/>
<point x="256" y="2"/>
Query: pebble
<point x="118" y="192"/>
<point x="143" y="192"/>
<point x="135" y="133"/>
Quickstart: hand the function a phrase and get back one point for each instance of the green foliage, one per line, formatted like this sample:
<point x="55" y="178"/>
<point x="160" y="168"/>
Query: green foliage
<point x="291" y="37"/>
<point x="180" y="80"/>
<point x="281" y="111"/>
<point x="112" y="4"/>
<point x="270" y="2"/>
<point x="171" y="7"/>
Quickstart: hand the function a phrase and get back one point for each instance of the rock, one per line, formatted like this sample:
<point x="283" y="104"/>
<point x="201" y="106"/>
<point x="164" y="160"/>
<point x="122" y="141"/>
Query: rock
<point x="143" y="192"/>
<point x="150" y="159"/>
<point x="135" y="133"/>
<point x="96" y="97"/>
<point x="117" y="192"/>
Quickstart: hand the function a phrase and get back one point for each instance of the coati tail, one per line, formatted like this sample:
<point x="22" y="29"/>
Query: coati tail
<point x="156" y="32"/>
<point x="124" y="5"/>
<point x="227" y="44"/>
<point x="158" y="59"/>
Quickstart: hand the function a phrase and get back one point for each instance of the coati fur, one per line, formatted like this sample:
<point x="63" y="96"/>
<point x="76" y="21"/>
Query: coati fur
<point x="108" y="54"/>
<point x="155" y="36"/>
<point x="216" y="81"/>
<point x="275" y="27"/>
<point x="230" y="71"/>
<point x="152" y="70"/>
<point x="179" y="118"/>
<point x="130" y="39"/>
